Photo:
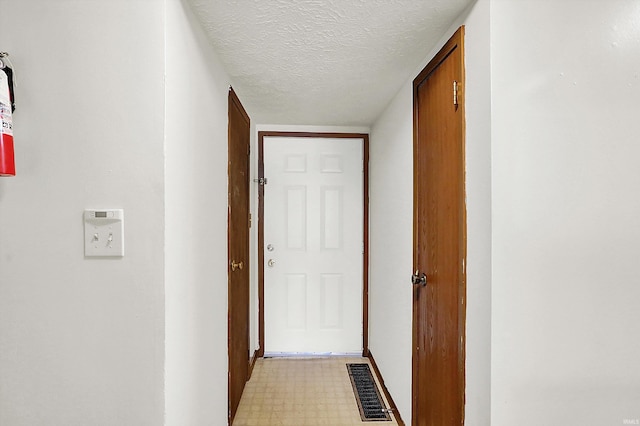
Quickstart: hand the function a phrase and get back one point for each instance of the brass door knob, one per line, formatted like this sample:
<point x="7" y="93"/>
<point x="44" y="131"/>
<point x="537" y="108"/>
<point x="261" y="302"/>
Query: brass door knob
<point x="236" y="265"/>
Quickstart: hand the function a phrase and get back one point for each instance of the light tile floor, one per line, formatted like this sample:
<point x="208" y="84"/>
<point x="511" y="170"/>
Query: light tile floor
<point x="301" y="392"/>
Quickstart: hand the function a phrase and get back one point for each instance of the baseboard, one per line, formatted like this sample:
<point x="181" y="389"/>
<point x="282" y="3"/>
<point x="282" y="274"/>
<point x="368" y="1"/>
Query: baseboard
<point x="392" y="404"/>
<point x="252" y="362"/>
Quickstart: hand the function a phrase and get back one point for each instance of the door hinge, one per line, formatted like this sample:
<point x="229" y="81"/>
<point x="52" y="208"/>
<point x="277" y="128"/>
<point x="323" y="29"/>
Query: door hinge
<point x="261" y="181"/>
<point x="455" y="93"/>
<point x="249" y="220"/>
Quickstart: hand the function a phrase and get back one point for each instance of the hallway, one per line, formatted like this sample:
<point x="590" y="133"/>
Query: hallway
<point x="124" y="105"/>
<point x="302" y="392"/>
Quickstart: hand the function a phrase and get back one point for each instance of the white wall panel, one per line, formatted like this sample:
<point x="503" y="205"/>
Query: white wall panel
<point x="82" y="340"/>
<point x="565" y="84"/>
<point x="196" y="225"/>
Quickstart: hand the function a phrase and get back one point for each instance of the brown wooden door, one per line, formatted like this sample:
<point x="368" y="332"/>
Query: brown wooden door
<point x="439" y="241"/>
<point x="238" y="251"/>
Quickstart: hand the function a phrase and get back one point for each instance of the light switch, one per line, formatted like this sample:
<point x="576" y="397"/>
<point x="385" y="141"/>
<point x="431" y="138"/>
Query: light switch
<point x="104" y="233"/>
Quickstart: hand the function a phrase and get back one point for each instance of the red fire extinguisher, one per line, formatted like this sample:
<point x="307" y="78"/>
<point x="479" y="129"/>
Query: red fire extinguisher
<point x="7" y="161"/>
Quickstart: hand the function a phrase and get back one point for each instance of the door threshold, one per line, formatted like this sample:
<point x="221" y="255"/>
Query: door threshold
<point x="311" y="354"/>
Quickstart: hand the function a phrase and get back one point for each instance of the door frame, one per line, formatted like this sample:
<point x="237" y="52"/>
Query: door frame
<point x="365" y="234"/>
<point x="455" y="42"/>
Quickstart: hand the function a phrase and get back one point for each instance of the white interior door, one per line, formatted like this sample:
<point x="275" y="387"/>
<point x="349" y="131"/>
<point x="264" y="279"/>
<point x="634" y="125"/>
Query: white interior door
<point x="313" y="236"/>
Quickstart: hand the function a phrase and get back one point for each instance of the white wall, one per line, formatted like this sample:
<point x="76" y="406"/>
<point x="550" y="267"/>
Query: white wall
<point x="391" y="228"/>
<point x="196" y="225"/>
<point x="566" y="80"/>
<point x="390" y="247"/>
<point x="81" y="340"/>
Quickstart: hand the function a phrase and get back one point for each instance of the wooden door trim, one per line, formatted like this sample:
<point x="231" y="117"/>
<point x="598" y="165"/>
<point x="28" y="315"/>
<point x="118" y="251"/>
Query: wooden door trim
<point x="455" y="42"/>
<point x="365" y="235"/>
<point x="392" y="404"/>
<point x="233" y="102"/>
<point x="234" y="98"/>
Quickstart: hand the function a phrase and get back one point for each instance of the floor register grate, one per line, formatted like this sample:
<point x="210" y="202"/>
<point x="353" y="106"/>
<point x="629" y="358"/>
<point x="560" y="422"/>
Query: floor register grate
<point x="367" y="394"/>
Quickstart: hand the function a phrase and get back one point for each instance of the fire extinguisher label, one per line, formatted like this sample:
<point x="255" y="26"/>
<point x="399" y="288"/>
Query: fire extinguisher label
<point x="5" y="116"/>
<point x="5" y="106"/>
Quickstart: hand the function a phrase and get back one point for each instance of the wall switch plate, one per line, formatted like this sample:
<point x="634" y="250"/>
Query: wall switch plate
<point x="104" y="233"/>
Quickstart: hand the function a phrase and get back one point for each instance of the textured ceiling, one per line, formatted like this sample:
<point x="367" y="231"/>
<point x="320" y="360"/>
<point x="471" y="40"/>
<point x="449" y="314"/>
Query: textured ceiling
<point x="322" y="62"/>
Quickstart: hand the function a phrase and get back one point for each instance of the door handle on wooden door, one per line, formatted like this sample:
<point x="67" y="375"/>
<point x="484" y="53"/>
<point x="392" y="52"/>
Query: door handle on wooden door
<point x="236" y="265"/>
<point x="419" y="278"/>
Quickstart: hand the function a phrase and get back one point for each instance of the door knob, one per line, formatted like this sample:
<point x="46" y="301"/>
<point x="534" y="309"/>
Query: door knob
<point x="271" y="263"/>
<point x="419" y="278"/>
<point x="236" y="265"/>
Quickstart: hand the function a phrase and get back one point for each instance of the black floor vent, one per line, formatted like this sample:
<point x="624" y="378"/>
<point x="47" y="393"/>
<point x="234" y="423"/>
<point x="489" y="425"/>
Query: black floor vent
<point x="364" y="387"/>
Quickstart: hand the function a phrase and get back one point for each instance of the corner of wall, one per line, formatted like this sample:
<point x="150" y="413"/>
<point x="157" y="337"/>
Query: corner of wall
<point x="196" y="177"/>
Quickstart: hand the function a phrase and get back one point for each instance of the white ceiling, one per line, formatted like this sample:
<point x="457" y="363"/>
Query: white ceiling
<point x="322" y="62"/>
